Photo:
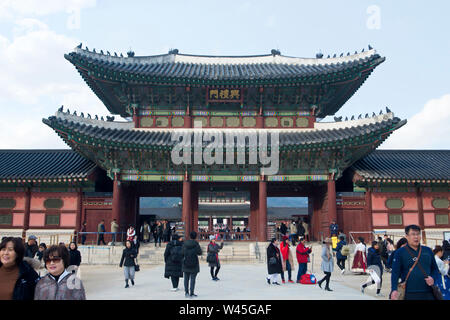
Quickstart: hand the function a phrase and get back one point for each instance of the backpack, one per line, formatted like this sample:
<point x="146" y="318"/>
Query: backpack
<point x="176" y="254"/>
<point x="345" y="251"/>
<point x="308" y="279"/>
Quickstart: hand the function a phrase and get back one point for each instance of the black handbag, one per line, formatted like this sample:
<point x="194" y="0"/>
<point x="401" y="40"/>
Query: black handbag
<point x="211" y="258"/>
<point x="136" y="267"/>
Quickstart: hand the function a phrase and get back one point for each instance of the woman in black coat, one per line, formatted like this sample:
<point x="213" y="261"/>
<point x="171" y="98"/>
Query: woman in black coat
<point x="75" y="256"/>
<point x="173" y="257"/>
<point x="274" y="265"/>
<point x="129" y="255"/>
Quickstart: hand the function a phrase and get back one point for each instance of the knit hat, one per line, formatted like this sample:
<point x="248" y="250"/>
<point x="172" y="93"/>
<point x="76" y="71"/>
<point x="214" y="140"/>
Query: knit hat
<point x="32" y="237"/>
<point x="211" y="238"/>
<point x="285" y="237"/>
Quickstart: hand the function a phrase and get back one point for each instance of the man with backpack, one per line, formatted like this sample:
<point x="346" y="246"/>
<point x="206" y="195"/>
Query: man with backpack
<point x="173" y="257"/>
<point x="191" y="266"/>
<point x="342" y="251"/>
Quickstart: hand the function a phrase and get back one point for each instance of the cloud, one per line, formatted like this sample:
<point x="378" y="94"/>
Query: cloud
<point x="10" y="9"/>
<point x="428" y="129"/>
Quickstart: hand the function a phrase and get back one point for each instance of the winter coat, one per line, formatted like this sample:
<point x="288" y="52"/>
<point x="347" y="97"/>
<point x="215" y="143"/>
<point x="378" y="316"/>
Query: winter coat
<point x="101" y="227"/>
<point x="327" y="263"/>
<point x="172" y="268"/>
<point x="68" y="287"/>
<point x="159" y="230"/>
<point x="338" y="249"/>
<point x="300" y="230"/>
<point x="283" y="228"/>
<point x="334" y="228"/>
<point x="114" y="227"/>
<point x="306" y="227"/>
<point x="75" y="257"/>
<point x="28" y="278"/>
<point x="286" y="254"/>
<point x="213" y="250"/>
<point x="192" y="249"/>
<point x="128" y="256"/>
<point x="273" y="251"/>
<point x="374" y="258"/>
<point x="292" y="228"/>
<point x="30" y="251"/>
<point x="302" y="253"/>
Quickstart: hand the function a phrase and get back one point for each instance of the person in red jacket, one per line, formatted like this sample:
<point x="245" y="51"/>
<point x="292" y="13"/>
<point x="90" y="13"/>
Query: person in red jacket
<point x="302" y="253"/>
<point x="287" y="260"/>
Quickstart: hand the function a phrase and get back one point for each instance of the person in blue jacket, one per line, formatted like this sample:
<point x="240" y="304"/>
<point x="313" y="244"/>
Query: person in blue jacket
<point x="375" y="268"/>
<point x="418" y="286"/>
<point x="340" y="259"/>
<point x="400" y="243"/>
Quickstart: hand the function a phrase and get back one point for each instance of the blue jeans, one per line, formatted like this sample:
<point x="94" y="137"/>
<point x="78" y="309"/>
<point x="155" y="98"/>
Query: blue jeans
<point x="301" y="270"/>
<point x="289" y="269"/>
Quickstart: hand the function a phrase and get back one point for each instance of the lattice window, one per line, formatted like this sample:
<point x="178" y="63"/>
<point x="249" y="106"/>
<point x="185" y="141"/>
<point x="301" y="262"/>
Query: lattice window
<point x="441" y="218"/>
<point x="52" y="219"/>
<point x="6" y="219"/>
<point x="396" y="219"/>
<point x="7" y="203"/>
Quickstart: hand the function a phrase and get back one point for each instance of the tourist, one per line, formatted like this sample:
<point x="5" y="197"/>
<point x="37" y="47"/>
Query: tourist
<point x="300" y="232"/>
<point x="400" y="243"/>
<point x="17" y="276"/>
<point x="443" y="269"/>
<point x="58" y="284"/>
<point x="418" y="282"/>
<point x="40" y="252"/>
<point x="145" y="231"/>
<point x="360" y="257"/>
<point x="446" y="248"/>
<point x="173" y="258"/>
<point x="114" y="231"/>
<point x="213" y="257"/>
<point x="341" y="258"/>
<point x="166" y="231"/>
<point x="390" y="248"/>
<point x="382" y="249"/>
<point x="31" y="247"/>
<point x="306" y="227"/>
<point x="334" y="229"/>
<point x="374" y="267"/>
<point x="191" y="265"/>
<point x="327" y="264"/>
<point x="75" y="257"/>
<point x="101" y="232"/>
<point x="292" y="232"/>
<point x="274" y="265"/>
<point x="159" y="233"/>
<point x="302" y="254"/>
<point x="153" y="229"/>
<point x="129" y="255"/>
<point x="83" y="232"/>
<point x="287" y="260"/>
<point x="283" y="229"/>
<point x="131" y="235"/>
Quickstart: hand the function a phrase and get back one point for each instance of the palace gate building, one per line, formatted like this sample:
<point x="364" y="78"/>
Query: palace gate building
<point x="111" y="163"/>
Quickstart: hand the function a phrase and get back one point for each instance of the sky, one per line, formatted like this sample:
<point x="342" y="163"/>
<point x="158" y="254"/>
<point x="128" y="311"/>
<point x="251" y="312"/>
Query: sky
<point x="35" y="79"/>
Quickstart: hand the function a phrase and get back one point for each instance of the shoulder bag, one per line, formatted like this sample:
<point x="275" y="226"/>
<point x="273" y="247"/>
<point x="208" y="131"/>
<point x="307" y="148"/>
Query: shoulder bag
<point x="436" y="291"/>
<point x="402" y="286"/>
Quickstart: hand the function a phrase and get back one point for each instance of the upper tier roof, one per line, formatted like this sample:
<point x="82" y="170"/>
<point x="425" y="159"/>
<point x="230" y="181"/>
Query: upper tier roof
<point x="402" y="165"/>
<point x="109" y="75"/>
<point x="259" y="67"/>
<point x="43" y="164"/>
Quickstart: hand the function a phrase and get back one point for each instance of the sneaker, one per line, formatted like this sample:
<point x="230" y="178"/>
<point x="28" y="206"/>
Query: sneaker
<point x="380" y="295"/>
<point x="343" y="271"/>
<point x="277" y="283"/>
<point x="283" y="281"/>
<point x="217" y="279"/>
<point x="193" y="295"/>
<point x="362" y="289"/>
<point x="132" y="282"/>
<point x="186" y="295"/>
<point x="127" y="286"/>
<point x="290" y="281"/>
<point x="268" y="280"/>
<point x="174" y="289"/>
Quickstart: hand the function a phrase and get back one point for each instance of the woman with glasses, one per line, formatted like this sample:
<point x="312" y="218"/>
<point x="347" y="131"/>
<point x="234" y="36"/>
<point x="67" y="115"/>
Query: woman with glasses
<point x="17" y="276"/>
<point x="58" y="284"/>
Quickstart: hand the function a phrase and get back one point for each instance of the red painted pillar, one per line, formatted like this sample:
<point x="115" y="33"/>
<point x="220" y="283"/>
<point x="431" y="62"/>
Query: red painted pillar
<point x="186" y="213"/>
<point x="194" y="204"/>
<point x="262" y="214"/>
<point x="421" y="217"/>
<point x="26" y="218"/>
<point x="368" y="208"/>
<point x="79" y="213"/>
<point x="332" y="215"/>
<point x="117" y="202"/>
<point x="253" y="211"/>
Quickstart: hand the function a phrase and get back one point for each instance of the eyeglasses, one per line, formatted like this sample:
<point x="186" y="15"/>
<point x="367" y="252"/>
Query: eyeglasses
<point x="54" y="259"/>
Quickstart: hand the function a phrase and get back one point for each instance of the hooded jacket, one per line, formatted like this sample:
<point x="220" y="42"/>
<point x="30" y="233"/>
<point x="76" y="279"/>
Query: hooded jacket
<point x="172" y="269"/>
<point x="191" y="250"/>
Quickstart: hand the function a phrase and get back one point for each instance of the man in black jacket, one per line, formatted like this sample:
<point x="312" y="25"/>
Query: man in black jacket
<point x="191" y="267"/>
<point x="31" y="247"/>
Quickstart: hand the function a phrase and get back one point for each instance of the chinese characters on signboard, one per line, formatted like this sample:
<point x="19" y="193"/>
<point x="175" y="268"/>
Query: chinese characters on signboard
<point x="224" y="95"/>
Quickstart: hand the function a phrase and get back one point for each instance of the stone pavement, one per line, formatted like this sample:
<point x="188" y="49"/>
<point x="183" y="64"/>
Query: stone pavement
<point x="238" y="282"/>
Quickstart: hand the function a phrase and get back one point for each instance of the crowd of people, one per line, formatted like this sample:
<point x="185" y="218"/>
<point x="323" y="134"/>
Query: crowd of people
<point x="29" y="271"/>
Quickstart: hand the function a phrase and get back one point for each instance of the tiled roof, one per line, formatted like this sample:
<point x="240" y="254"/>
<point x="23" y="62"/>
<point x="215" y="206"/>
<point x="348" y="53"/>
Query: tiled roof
<point x="405" y="165"/>
<point x="120" y="134"/>
<point x="43" y="164"/>
<point x="182" y="66"/>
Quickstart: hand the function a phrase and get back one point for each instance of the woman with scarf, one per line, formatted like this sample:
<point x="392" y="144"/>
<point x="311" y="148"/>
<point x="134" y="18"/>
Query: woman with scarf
<point x="213" y="257"/>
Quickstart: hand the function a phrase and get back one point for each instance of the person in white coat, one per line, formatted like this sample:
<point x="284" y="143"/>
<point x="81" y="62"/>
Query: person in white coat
<point x="360" y="257"/>
<point x="443" y="269"/>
